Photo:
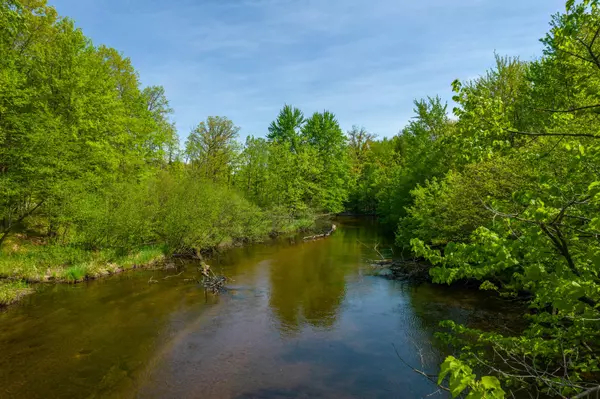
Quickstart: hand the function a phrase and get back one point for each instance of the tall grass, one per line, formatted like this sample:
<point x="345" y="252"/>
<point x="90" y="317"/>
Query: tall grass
<point x="70" y="264"/>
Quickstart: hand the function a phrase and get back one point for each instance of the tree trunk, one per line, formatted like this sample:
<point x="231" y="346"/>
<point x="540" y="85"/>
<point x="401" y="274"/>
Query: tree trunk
<point x="10" y="226"/>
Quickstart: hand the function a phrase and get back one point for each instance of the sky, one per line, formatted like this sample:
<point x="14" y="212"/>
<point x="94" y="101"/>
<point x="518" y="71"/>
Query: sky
<point x="364" y="60"/>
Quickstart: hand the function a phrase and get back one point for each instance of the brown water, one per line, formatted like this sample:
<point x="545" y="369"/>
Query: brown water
<point x="300" y="320"/>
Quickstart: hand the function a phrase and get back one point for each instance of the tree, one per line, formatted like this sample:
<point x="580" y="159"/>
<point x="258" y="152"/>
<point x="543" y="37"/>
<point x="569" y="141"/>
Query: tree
<point x="164" y="141"/>
<point x="72" y="116"/>
<point x="490" y="108"/>
<point x="529" y="193"/>
<point x="252" y="175"/>
<point x="359" y="142"/>
<point x="322" y="132"/>
<point x="360" y="197"/>
<point x="422" y="153"/>
<point x="211" y="148"/>
<point x="286" y="128"/>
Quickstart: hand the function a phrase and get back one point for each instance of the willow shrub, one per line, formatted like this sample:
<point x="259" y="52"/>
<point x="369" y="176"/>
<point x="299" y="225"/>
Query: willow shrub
<point x="174" y="212"/>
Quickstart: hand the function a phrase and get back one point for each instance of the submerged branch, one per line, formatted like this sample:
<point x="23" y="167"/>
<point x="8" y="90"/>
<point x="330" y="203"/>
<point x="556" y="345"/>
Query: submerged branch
<point x="324" y="235"/>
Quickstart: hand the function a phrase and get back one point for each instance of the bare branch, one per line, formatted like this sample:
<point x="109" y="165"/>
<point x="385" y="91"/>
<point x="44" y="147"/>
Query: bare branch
<point x="424" y="374"/>
<point x="588" y="393"/>
<point x="173" y="275"/>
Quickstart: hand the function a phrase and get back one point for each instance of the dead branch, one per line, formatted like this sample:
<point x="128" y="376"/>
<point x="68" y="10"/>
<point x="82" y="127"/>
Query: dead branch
<point x="211" y="281"/>
<point x="572" y="109"/>
<point x="174" y="275"/>
<point x="406" y="270"/>
<point x="430" y="377"/>
<point x="324" y="235"/>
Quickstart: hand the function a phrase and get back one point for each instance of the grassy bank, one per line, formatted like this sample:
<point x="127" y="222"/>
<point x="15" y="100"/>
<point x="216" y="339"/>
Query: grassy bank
<point x="20" y="269"/>
<point x="13" y="291"/>
<point x="57" y="263"/>
<point x="25" y="261"/>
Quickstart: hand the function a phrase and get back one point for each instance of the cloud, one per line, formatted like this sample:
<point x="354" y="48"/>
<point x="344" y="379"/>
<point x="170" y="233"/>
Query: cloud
<point x="364" y="60"/>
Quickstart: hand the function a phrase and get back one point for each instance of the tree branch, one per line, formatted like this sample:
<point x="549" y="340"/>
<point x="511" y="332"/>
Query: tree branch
<point x="424" y="374"/>
<point x="588" y="393"/>
<point x="572" y="109"/>
<point x="9" y="228"/>
<point x="590" y="50"/>
<point x="595" y="136"/>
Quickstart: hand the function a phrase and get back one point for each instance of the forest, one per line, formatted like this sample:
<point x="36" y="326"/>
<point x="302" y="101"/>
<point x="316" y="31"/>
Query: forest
<point x="502" y="191"/>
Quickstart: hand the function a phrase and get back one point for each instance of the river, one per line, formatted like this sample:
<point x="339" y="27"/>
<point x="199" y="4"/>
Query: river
<point x="300" y="319"/>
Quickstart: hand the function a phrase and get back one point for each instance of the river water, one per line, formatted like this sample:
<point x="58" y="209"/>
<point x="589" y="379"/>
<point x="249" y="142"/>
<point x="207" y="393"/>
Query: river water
<point x="300" y="319"/>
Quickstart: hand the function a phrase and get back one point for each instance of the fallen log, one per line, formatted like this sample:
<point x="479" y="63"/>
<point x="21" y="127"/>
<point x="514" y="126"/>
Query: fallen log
<point x="324" y="235"/>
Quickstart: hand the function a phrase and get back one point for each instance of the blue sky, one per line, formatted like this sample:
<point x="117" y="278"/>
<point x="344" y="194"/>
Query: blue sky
<point x="364" y="60"/>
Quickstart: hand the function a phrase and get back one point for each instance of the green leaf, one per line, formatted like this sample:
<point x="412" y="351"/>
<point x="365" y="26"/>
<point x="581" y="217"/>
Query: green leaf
<point x="490" y="382"/>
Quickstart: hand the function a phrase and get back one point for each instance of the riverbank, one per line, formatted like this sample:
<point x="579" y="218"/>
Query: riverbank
<point x="26" y="263"/>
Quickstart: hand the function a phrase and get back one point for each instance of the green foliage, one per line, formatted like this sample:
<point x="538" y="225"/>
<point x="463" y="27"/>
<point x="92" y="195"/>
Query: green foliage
<point x="72" y="116"/>
<point x="390" y="169"/>
<point x="451" y="208"/>
<point x="323" y="136"/>
<point x="179" y="211"/>
<point x="461" y="379"/>
<point x="507" y="195"/>
<point x="360" y="145"/>
<point x="211" y="148"/>
<point x="303" y="166"/>
<point x="286" y="128"/>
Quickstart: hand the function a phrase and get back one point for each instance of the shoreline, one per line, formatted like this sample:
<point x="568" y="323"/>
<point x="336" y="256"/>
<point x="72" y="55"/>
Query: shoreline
<point x="13" y="288"/>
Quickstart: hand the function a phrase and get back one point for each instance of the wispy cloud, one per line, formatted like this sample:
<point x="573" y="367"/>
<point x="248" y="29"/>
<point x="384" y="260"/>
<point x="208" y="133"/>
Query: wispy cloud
<point x="365" y="60"/>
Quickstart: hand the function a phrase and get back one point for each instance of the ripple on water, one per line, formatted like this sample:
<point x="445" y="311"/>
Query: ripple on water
<point x="299" y="320"/>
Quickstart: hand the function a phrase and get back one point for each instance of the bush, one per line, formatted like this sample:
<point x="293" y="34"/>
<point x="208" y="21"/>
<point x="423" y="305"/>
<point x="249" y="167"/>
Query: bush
<point x="174" y="211"/>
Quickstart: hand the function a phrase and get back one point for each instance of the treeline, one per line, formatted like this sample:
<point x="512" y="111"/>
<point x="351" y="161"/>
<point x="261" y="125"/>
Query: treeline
<point x="301" y="166"/>
<point x="506" y="193"/>
<point x="90" y="159"/>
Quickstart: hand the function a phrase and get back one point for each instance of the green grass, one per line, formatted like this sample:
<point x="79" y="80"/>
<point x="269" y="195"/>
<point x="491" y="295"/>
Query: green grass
<point x="12" y="291"/>
<point x="39" y="263"/>
<point x="76" y="273"/>
<point x="146" y="257"/>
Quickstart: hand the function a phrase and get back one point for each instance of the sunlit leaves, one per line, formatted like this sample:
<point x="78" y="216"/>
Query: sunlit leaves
<point x="529" y="204"/>
<point x="461" y="378"/>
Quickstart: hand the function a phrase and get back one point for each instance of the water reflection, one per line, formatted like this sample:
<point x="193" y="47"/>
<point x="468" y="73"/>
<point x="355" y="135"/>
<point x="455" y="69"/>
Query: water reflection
<point x="308" y="286"/>
<point x="301" y="320"/>
<point x="88" y="339"/>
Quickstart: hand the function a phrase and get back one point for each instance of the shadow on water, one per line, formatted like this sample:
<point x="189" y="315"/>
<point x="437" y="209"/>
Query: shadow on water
<point x="299" y="320"/>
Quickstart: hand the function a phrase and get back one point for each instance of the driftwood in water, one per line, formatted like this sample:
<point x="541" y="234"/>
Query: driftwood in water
<point x="324" y="235"/>
<point x="210" y="280"/>
<point x="399" y="269"/>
